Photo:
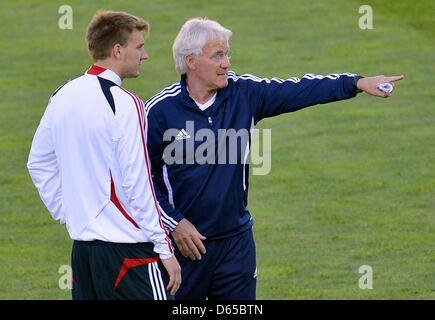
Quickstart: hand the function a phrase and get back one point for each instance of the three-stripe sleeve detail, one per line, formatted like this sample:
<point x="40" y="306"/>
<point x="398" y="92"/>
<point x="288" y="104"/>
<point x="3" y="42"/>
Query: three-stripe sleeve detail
<point x="170" y="91"/>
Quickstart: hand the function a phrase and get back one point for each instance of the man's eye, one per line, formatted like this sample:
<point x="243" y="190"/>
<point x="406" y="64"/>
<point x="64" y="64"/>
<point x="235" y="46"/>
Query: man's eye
<point x="220" y="56"/>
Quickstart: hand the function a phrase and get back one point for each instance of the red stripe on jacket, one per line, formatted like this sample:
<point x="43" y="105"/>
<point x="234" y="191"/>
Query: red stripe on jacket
<point x="139" y="109"/>
<point x="116" y="202"/>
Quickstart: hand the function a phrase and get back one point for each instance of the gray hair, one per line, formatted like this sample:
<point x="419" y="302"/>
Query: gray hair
<point x="192" y="38"/>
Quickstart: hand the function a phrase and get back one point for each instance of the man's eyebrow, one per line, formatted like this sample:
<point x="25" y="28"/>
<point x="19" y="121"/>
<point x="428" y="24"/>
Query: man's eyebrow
<point x="222" y="51"/>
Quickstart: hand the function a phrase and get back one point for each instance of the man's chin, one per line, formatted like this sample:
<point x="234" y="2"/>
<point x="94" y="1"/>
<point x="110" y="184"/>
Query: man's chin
<point x="132" y="75"/>
<point x="223" y="83"/>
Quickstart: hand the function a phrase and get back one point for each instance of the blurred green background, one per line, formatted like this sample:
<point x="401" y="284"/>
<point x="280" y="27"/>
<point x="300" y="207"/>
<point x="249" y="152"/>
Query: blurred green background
<point x="352" y="183"/>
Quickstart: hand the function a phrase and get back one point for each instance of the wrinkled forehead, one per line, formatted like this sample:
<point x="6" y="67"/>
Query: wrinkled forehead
<point x="216" y="45"/>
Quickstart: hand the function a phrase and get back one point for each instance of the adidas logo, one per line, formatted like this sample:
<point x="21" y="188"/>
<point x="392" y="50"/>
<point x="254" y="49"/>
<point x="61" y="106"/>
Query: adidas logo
<point x="182" y="135"/>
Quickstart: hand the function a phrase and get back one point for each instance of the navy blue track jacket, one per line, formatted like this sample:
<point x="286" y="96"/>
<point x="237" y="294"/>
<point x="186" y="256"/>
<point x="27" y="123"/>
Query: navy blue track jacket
<point x="213" y="195"/>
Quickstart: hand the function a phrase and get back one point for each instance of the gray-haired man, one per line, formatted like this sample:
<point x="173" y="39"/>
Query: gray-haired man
<point x="204" y="204"/>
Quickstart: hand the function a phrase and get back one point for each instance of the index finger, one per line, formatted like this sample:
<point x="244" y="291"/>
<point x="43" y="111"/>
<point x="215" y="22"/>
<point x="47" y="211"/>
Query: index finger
<point x="199" y="244"/>
<point x="177" y="283"/>
<point x="193" y="249"/>
<point x="395" y="78"/>
<point x="174" y="283"/>
<point x="171" y="283"/>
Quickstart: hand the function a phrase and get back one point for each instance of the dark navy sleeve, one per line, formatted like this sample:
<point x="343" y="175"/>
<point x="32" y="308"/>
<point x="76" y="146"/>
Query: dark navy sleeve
<point x="169" y="215"/>
<point x="276" y="96"/>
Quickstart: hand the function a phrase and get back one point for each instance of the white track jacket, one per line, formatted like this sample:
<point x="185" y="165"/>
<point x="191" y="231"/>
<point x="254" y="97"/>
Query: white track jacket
<point x="90" y="164"/>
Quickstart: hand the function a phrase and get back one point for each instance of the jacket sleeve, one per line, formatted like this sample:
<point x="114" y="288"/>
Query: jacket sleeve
<point x="131" y="152"/>
<point x="170" y="215"/>
<point x="277" y="96"/>
<point x="44" y="170"/>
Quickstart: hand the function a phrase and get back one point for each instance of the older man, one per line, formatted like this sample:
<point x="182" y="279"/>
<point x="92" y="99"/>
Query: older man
<point x="201" y="192"/>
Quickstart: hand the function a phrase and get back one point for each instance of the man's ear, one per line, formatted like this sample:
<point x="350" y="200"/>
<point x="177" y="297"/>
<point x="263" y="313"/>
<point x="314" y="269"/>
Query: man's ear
<point x="116" y="51"/>
<point x="190" y="61"/>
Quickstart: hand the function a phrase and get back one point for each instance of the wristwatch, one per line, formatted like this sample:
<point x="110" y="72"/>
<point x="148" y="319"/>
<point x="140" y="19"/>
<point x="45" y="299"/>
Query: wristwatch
<point x="355" y="80"/>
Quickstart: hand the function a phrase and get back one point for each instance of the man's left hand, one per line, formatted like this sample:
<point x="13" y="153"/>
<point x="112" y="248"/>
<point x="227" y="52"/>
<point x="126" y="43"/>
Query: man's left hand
<point x="370" y="85"/>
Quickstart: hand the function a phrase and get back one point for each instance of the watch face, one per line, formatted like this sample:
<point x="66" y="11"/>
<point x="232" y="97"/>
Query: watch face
<point x="355" y="80"/>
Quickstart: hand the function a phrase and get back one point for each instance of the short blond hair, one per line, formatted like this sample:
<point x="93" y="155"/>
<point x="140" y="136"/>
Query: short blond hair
<point x="107" y="28"/>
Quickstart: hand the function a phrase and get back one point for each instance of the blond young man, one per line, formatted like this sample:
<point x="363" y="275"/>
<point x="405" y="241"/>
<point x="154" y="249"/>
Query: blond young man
<point x="90" y="164"/>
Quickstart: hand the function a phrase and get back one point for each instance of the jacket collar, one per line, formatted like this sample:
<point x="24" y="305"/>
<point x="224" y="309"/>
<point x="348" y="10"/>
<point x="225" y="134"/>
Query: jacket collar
<point x="222" y="95"/>
<point x="104" y="73"/>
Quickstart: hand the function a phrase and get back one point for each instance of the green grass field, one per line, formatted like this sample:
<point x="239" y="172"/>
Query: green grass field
<point x="352" y="183"/>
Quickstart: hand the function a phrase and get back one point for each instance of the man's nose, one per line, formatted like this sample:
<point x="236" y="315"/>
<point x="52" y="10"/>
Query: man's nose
<point x="144" y="55"/>
<point x="225" y="64"/>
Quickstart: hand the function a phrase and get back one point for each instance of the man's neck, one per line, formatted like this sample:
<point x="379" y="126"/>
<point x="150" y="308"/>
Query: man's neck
<point x="198" y="92"/>
<point x="107" y="64"/>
